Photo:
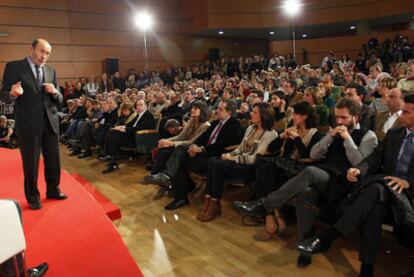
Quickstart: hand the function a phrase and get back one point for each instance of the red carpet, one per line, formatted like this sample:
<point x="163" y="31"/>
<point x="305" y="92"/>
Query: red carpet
<point x="74" y="236"/>
<point x="111" y="210"/>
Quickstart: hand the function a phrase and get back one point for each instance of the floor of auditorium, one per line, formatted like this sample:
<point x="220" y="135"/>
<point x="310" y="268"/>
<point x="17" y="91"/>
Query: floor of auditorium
<point x="174" y="243"/>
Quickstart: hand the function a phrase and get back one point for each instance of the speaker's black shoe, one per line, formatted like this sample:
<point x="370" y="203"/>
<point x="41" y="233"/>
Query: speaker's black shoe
<point x="111" y="168"/>
<point x="56" y="196"/>
<point x="303" y="260"/>
<point x="35" y="206"/>
<point x="253" y="208"/>
<point x="38" y="271"/>
<point x="312" y="246"/>
<point x="177" y="203"/>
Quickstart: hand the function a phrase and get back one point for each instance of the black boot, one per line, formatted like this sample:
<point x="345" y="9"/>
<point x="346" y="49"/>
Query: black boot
<point x="111" y="168"/>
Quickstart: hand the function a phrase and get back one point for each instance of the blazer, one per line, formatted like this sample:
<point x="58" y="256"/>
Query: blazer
<point x="229" y="135"/>
<point x="380" y="119"/>
<point x="384" y="158"/>
<point x="31" y="107"/>
<point x="244" y="155"/>
<point x="146" y="122"/>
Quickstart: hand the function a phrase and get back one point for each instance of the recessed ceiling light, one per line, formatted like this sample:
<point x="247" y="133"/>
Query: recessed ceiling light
<point x="352" y="27"/>
<point x="221" y="32"/>
<point x="304" y="35"/>
<point x="271" y="33"/>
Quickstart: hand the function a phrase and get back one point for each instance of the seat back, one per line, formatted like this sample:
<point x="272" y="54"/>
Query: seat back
<point x="12" y="239"/>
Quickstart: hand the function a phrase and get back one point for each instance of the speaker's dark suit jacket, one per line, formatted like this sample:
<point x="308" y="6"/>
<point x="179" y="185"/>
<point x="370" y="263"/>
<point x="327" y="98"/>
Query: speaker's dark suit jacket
<point x="31" y="106"/>
<point x="37" y="125"/>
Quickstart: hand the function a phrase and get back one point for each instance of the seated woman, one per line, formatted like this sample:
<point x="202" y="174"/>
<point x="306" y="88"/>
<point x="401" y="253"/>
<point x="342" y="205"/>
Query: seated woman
<point x="195" y="127"/>
<point x="384" y="86"/>
<point x="240" y="162"/>
<point x="314" y="98"/>
<point x="291" y="147"/>
<point x="123" y="134"/>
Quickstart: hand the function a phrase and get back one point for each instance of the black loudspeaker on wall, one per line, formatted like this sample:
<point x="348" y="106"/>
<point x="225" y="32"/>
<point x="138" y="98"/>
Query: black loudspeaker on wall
<point x="213" y="54"/>
<point x="111" y="66"/>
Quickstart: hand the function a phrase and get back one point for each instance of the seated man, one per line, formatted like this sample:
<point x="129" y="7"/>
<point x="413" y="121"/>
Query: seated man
<point x="391" y="118"/>
<point x="173" y="128"/>
<point x="343" y="147"/>
<point x="123" y="134"/>
<point x="223" y="132"/>
<point x="389" y="168"/>
<point x="357" y="93"/>
<point x="5" y="133"/>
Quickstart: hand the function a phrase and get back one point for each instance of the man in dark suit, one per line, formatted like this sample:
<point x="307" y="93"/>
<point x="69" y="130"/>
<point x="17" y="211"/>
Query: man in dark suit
<point x="124" y="135"/>
<point x="357" y="93"/>
<point x="34" y="87"/>
<point x="223" y="132"/>
<point x="391" y="164"/>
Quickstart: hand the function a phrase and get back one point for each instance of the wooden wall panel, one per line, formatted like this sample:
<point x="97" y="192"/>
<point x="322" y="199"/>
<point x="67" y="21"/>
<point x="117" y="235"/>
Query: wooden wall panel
<point x="25" y="35"/>
<point x="33" y="17"/>
<point x="14" y="52"/>
<point x="43" y="4"/>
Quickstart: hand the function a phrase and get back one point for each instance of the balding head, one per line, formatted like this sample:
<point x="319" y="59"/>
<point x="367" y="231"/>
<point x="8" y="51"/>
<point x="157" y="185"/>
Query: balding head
<point x="40" y="51"/>
<point x="395" y="100"/>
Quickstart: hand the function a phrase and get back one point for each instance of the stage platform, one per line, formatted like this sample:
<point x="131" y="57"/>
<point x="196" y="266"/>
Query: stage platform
<point x="75" y="236"/>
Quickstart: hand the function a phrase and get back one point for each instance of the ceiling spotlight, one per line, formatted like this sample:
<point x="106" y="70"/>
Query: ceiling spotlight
<point x="271" y="33"/>
<point x="304" y="35"/>
<point x="143" y="20"/>
<point x="292" y="7"/>
<point x="220" y="32"/>
<point x="352" y="27"/>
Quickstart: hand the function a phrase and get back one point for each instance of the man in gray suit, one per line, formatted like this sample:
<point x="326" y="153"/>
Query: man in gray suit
<point x="33" y="86"/>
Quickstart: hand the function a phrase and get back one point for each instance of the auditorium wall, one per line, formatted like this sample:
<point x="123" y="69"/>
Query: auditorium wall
<point x="84" y="33"/>
<point x="268" y="13"/>
<point x="318" y="48"/>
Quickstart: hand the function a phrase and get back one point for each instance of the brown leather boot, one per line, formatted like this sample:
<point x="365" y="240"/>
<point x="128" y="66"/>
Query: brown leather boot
<point x="205" y="207"/>
<point x="213" y="209"/>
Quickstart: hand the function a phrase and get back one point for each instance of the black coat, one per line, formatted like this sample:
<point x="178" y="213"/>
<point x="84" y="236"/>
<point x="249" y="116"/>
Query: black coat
<point x="384" y="159"/>
<point x="111" y="118"/>
<point x="382" y="162"/>
<point x="146" y="122"/>
<point x="230" y="134"/>
<point x="31" y="107"/>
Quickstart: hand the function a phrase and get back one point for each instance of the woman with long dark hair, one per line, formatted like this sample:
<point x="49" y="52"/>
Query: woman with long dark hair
<point x="291" y="147"/>
<point x="195" y="127"/>
<point x="240" y="162"/>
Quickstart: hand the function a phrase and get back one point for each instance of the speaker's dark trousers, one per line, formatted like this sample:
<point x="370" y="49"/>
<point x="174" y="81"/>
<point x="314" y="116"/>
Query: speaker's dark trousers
<point x="47" y="143"/>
